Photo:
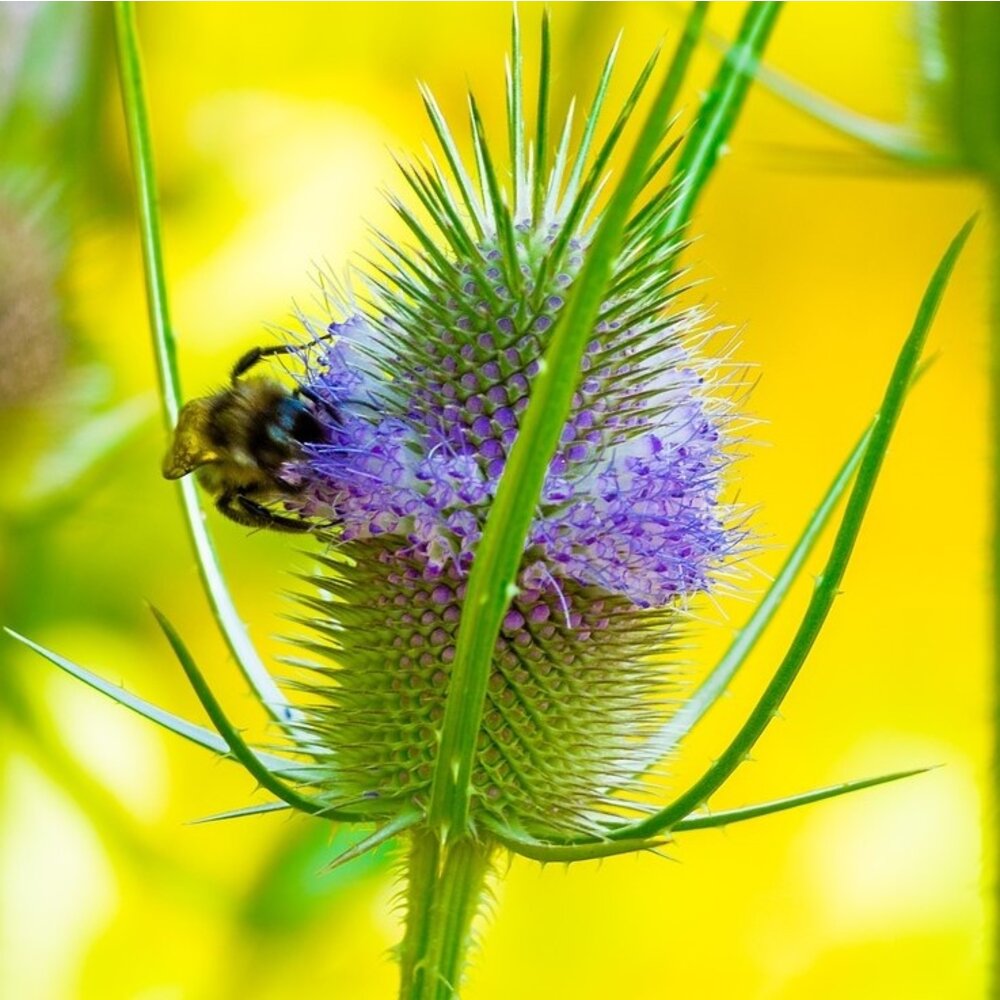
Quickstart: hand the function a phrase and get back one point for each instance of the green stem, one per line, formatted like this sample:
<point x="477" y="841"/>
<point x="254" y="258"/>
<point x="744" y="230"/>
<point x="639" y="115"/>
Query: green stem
<point x="165" y="350"/>
<point x="445" y="890"/>
<point x="492" y="581"/>
<point x="718" y="115"/>
<point x="900" y="142"/>
<point x="694" y="709"/>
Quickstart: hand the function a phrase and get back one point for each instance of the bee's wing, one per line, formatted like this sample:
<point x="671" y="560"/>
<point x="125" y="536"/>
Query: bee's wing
<point x="190" y="447"/>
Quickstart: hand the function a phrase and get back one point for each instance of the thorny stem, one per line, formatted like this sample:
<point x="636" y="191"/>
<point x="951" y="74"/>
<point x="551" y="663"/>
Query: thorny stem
<point x="443" y="896"/>
<point x="445" y="880"/>
<point x="492" y="580"/>
<point x="165" y="349"/>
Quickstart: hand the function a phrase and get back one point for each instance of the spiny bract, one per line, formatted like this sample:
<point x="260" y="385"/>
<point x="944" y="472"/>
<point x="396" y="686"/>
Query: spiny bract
<point x="421" y="391"/>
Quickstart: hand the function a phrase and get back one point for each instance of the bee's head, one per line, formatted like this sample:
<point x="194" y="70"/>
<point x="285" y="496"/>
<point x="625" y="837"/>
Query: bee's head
<point x="191" y="446"/>
<point x="255" y="425"/>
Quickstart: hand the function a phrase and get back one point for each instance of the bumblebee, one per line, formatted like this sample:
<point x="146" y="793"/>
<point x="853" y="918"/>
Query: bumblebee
<point x="238" y="439"/>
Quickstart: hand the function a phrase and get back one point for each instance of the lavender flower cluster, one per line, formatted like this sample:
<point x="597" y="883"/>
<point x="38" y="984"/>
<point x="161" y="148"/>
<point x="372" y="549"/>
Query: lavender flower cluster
<point x="415" y="450"/>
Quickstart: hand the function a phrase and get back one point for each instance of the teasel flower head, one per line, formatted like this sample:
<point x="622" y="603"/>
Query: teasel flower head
<point x="421" y="384"/>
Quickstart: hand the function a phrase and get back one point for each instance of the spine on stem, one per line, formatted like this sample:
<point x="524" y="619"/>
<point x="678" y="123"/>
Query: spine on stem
<point x="447" y="884"/>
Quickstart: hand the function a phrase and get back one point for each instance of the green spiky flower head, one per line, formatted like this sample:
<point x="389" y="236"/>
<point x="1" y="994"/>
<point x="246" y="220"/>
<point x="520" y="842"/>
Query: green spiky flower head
<point x="421" y="392"/>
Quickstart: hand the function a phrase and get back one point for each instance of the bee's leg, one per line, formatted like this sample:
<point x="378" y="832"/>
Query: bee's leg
<point x="256" y="354"/>
<point x="253" y="515"/>
<point x="259" y="515"/>
<point x="323" y="404"/>
<point x="227" y="504"/>
<point x="268" y="519"/>
<point x="291" y="489"/>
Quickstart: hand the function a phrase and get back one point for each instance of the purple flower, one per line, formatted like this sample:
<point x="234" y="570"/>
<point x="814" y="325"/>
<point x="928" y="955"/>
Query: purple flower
<point x="415" y="447"/>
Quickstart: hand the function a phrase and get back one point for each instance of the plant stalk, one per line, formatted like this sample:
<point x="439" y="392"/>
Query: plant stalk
<point x="498" y="557"/>
<point x="446" y="886"/>
<point x="137" y="129"/>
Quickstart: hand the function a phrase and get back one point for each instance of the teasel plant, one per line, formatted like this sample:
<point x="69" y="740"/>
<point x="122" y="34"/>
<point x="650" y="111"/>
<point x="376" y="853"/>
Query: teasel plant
<point x="519" y="493"/>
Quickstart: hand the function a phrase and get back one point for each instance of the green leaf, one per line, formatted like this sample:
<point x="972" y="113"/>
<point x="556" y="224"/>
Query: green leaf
<point x="196" y="734"/>
<point x="238" y="747"/>
<point x="718" y="680"/>
<point x="286" y="898"/>
<point x="80" y="454"/>
<point x="241" y="813"/>
<point x="719" y="112"/>
<point x="492" y="582"/>
<point x="726" y="817"/>
<point x="165" y="349"/>
<point x="385" y="832"/>
<point x="36" y="105"/>
<point x="538" y="850"/>
<point x="828" y="583"/>
<point x="895" y="141"/>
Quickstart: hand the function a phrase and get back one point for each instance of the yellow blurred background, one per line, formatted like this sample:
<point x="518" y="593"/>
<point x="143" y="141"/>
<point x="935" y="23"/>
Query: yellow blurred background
<point x="274" y="127"/>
